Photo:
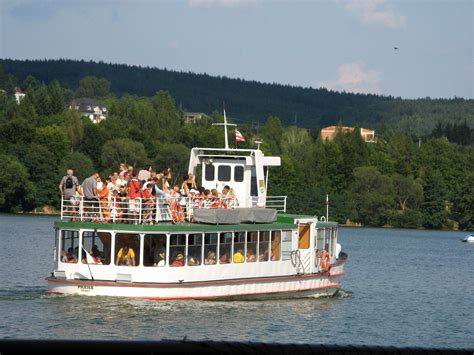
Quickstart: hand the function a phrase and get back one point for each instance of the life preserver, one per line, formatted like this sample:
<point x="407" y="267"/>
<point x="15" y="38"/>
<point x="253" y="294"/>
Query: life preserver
<point x="176" y="212"/>
<point x="325" y="261"/>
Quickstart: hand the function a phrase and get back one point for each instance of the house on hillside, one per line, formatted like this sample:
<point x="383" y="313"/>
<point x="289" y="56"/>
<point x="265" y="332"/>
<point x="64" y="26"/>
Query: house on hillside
<point x="193" y="117"/>
<point x="90" y="108"/>
<point x="19" y="95"/>
<point x="329" y="133"/>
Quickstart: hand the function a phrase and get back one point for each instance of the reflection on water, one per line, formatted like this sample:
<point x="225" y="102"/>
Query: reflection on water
<point x="401" y="288"/>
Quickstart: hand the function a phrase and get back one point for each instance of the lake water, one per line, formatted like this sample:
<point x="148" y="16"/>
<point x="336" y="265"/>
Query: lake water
<point x="404" y="288"/>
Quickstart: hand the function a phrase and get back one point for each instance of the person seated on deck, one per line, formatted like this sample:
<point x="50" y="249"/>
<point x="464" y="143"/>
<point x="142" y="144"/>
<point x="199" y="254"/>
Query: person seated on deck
<point x="239" y="256"/>
<point x="159" y="256"/>
<point x="225" y="258"/>
<point x="215" y="201"/>
<point x="211" y="258"/>
<point x="178" y="261"/>
<point x="125" y="256"/>
<point x="251" y="255"/>
<point x="193" y="260"/>
<point x="67" y="257"/>
<point x="96" y="254"/>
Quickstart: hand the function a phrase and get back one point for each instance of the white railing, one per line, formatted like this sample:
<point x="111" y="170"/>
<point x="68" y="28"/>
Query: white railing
<point x="151" y="211"/>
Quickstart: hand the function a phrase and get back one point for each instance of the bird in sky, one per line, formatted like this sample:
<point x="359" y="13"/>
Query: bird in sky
<point x="395" y="48"/>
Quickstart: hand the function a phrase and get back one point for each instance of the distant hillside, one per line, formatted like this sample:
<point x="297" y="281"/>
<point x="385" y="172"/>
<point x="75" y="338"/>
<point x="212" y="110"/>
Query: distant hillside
<point x="251" y="101"/>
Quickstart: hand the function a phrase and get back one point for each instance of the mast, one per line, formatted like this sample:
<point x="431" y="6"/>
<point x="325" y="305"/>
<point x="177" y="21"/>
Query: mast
<point x="225" y="124"/>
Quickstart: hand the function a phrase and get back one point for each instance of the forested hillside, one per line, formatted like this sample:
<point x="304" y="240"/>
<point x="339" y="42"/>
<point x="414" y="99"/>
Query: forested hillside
<point x="399" y="181"/>
<point x="251" y="101"/>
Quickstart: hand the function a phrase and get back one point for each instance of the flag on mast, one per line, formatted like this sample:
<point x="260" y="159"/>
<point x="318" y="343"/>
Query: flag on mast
<point x="239" y="137"/>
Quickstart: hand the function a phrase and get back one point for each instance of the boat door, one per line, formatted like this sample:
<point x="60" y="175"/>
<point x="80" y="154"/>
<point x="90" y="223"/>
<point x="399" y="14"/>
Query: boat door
<point x="304" y="242"/>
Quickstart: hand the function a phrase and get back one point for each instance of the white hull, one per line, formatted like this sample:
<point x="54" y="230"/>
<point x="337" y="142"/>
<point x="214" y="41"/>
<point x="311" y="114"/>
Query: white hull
<point x="282" y="287"/>
<point x="468" y="239"/>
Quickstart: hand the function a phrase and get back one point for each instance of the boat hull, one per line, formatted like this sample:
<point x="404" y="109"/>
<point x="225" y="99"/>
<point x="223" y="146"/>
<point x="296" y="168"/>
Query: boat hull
<point x="314" y="285"/>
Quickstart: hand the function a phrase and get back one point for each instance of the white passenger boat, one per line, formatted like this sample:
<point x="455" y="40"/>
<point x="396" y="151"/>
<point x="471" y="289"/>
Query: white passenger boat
<point x="469" y="238"/>
<point x="246" y="247"/>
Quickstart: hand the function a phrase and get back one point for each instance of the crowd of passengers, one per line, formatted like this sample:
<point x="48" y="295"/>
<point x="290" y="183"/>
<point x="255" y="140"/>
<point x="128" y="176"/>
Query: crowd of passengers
<point x="125" y="194"/>
<point x="126" y="255"/>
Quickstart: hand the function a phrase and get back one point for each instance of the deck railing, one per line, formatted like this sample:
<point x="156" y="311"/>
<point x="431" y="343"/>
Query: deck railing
<point x="151" y="211"/>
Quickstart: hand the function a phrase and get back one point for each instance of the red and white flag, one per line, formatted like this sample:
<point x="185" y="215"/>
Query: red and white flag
<point x="239" y="137"/>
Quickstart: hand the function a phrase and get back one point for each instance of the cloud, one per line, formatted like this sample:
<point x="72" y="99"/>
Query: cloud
<point x="352" y="77"/>
<point x="375" y="12"/>
<point x="221" y="3"/>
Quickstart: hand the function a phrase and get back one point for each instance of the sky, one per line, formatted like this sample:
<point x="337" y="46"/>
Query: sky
<point x="339" y="45"/>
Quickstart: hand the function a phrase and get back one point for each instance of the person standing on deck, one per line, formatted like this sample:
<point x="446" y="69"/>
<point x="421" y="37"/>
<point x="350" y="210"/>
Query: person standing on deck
<point x="91" y="196"/>
<point x="68" y="187"/>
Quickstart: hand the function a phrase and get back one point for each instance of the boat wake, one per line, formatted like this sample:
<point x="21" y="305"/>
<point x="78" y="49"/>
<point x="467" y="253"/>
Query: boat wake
<point x="22" y="293"/>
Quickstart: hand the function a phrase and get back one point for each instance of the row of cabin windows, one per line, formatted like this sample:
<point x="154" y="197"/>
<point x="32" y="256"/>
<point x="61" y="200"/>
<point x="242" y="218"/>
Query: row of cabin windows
<point x="184" y="249"/>
<point x="224" y="173"/>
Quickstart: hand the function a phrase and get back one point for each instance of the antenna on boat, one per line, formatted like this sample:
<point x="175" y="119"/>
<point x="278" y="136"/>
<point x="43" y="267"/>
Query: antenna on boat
<point x="327" y="207"/>
<point x="258" y="144"/>
<point x="225" y="124"/>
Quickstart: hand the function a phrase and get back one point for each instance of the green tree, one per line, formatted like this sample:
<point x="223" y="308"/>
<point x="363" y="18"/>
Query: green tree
<point x="371" y="197"/>
<point x="123" y="150"/>
<point x="169" y="121"/>
<point x="433" y="206"/>
<point x="42" y="168"/>
<point x="409" y="196"/>
<point x="463" y="202"/>
<point x="75" y="128"/>
<point x="81" y="164"/>
<point x="272" y="136"/>
<point x="16" y="191"/>
<point x="93" y="87"/>
<point x="55" y="139"/>
<point x="56" y="97"/>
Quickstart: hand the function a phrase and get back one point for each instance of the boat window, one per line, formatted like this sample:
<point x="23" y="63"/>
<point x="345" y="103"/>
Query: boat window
<point x="194" y="249"/>
<point x="177" y="249"/>
<point x="210" y="248"/>
<point x="209" y="172"/>
<point x="252" y="240"/>
<point x="69" y="246"/>
<point x="320" y="239"/>
<point x="127" y="249"/>
<point x="97" y="245"/>
<point x="276" y="245"/>
<point x="286" y="245"/>
<point x="225" y="247"/>
<point x="253" y="182"/>
<point x="239" y="247"/>
<point x="238" y="173"/>
<point x="223" y="173"/>
<point x="304" y="234"/>
<point x="263" y="245"/>
<point x="154" y="250"/>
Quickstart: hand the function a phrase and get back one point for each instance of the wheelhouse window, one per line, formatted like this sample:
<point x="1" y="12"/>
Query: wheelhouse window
<point x="210" y="248"/>
<point x="239" y="247"/>
<point x="263" y="246"/>
<point x="209" y="172"/>
<point x="225" y="248"/>
<point x="238" y="173"/>
<point x="276" y="246"/>
<point x="127" y="249"/>
<point x="223" y="173"/>
<point x="154" y="250"/>
<point x="98" y="246"/>
<point x="69" y="246"/>
<point x="194" y="249"/>
<point x="177" y="250"/>
<point x="320" y="236"/>
<point x="252" y="241"/>
<point x="286" y="245"/>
